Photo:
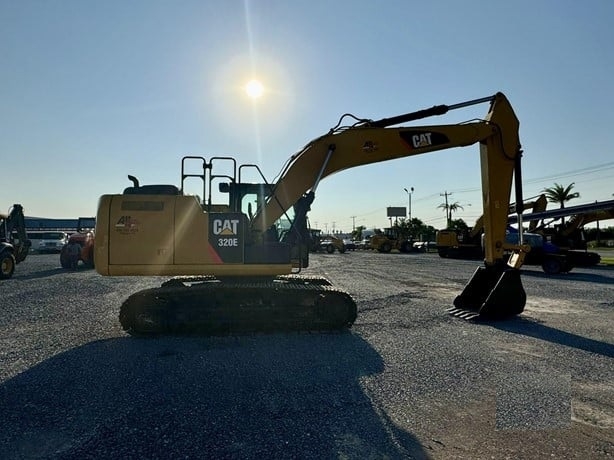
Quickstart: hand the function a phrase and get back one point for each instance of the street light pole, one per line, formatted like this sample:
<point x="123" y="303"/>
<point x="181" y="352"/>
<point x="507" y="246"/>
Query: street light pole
<point x="409" y="192"/>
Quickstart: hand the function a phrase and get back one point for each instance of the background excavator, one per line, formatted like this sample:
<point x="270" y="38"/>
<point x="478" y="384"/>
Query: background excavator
<point x="468" y="244"/>
<point x="236" y="262"/>
<point x="560" y="246"/>
<point x="14" y="242"/>
<point x="556" y="247"/>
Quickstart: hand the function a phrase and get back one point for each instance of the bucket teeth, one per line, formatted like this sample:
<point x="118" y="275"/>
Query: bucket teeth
<point x="463" y="314"/>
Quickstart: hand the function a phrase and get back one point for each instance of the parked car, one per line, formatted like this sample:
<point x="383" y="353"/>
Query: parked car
<point x="47" y="241"/>
<point x="365" y="243"/>
<point x="350" y="245"/>
<point x="425" y="246"/>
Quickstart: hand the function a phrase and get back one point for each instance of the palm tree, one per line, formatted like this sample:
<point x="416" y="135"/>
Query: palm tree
<point x="560" y="194"/>
<point x="449" y="209"/>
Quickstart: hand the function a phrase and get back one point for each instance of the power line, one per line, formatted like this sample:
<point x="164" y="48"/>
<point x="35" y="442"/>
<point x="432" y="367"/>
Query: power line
<point x="575" y="172"/>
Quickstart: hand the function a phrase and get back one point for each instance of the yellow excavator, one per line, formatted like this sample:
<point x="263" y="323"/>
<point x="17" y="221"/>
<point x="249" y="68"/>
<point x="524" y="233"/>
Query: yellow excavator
<point x="468" y="244"/>
<point x="236" y="256"/>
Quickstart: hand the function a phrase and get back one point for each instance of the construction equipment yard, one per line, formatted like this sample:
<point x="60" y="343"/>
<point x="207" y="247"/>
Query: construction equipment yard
<point x="406" y="381"/>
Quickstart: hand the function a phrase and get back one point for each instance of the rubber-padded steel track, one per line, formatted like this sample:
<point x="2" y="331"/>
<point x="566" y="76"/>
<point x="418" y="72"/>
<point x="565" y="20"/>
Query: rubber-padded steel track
<point x="210" y="306"/>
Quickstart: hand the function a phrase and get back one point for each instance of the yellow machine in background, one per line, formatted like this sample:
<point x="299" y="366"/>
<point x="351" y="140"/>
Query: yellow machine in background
<point x="468" y="244"/>
<point x="390" y="239"/>
<point x="236" y="258"/>
<point x="14" y="242"/>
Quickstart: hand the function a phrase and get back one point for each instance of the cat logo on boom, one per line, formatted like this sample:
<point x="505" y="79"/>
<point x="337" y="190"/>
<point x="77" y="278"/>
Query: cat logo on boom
<point x="418" y="139"/>
<point x="421" y="140"/>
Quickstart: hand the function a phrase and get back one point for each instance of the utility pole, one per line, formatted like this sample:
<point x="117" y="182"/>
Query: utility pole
<point x="409" y="192"/>
<point x="448" y="216"/>
<point x="598" y="235"/>
<point x="353" y="223"/>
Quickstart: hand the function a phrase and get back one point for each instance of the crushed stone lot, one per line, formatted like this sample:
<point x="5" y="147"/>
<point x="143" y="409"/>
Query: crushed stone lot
<point x="407" y="381"/>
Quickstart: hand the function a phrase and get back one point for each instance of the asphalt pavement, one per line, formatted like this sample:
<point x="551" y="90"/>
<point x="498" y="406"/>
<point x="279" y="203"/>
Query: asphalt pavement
<point x="407" y="381"/>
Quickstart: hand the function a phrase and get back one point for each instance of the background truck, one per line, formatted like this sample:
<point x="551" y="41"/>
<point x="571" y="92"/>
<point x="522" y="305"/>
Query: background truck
<point x="84" y="237"/>
<point x="48" y="241"/>
<point x="14" y="242"/>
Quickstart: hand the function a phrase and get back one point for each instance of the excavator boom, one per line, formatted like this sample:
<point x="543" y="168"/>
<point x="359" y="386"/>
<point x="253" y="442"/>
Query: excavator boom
<point x="371" y="142"/>
<point x="245" y="248"/>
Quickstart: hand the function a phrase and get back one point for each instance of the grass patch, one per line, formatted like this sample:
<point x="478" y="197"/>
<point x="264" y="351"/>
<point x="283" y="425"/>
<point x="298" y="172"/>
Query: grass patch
<point x="607" y="260"/>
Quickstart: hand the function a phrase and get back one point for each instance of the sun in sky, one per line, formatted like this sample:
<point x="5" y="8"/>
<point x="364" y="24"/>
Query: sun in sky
<point x="254" y="89"/>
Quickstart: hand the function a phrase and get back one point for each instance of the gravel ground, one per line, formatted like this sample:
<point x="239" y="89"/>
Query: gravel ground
<point x="408" y="381"/>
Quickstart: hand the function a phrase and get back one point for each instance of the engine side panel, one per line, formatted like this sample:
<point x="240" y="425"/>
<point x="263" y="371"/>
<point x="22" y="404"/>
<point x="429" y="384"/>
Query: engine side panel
<point x="171" y="235"/>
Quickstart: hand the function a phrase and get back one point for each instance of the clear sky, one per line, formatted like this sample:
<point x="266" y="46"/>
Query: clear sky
<point x="93" y="91"/>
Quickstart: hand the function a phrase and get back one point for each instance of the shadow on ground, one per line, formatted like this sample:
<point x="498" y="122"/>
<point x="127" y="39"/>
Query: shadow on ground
<point x="588" y="277"/>
<point x="277" y="396"/>
<point x="537" y="330"/>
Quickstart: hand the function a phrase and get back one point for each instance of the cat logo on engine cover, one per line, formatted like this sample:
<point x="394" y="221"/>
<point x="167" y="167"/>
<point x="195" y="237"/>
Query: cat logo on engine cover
<point x="226" y="236"/>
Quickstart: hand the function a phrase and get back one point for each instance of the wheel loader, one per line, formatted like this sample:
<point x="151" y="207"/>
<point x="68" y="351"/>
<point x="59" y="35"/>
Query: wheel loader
<point x="236" y="257"/>
<point x="325" y="243"/>
<point x="14" y="242"/>
<point x="331" y="243"/>
<point x="390" y="239"/>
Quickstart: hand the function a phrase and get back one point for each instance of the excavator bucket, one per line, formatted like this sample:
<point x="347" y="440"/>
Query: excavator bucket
<point x="493" y="292"/>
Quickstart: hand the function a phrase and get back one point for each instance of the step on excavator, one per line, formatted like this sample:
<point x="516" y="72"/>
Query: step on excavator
<point x="236" y="261"/>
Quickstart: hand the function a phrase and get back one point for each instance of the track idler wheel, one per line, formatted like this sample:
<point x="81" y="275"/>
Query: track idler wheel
<point x="143" y="314"/>
<point x="493" y="292"/>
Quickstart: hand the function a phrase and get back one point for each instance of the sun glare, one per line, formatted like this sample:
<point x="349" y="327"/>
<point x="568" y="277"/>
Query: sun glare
<point x="254" y="89"/>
